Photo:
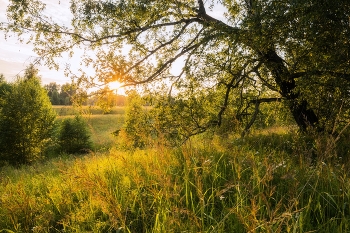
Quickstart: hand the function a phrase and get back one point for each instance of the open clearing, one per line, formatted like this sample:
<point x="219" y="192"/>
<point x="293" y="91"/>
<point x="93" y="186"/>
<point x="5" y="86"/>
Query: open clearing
<point x="101" y="125"/>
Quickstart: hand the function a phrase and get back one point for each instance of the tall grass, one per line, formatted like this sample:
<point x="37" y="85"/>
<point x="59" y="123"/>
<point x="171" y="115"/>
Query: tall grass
<point x="208" y="185"/>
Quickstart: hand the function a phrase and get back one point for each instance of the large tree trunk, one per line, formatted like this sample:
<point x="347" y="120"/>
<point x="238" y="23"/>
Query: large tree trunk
<point x="303" y="115"/>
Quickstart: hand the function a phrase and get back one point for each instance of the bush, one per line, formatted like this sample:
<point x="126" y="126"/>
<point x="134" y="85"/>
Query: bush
<point x="136" y="131"/>
<point x="26" y="121"/>
<point x="74" y="136"/>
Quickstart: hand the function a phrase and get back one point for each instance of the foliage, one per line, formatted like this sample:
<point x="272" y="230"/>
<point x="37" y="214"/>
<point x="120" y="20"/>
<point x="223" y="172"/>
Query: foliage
<point x="106" y="99"/>
<point x="260" y="184"/>
<point x="136" y="131"/>
<point x="177" y="119"/>
<point x="4" y="88"/>
<point x="2" y="78"/>
<point x="254" y="52"/>
<point x="65" y="94"/>
<point x="26" y="120"/>
<point x="74" y="136"/>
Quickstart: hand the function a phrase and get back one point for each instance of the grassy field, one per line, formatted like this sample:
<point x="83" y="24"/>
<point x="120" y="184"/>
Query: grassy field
<point x="266" y="182"/>
<point x="101" y="125"/>
<point x="63" y="110"/>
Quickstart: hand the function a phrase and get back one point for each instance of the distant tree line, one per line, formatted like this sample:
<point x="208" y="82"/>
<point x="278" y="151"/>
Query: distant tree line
<point x="67" y="93"/>
<point x="60" y="94"/>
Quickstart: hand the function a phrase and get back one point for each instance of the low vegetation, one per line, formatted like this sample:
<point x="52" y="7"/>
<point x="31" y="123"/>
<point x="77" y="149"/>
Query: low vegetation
<point x="67" y="110"/>
<point x="275" y="179"/>
<point x="74" y="136"/>
<point x="264" y="183"/>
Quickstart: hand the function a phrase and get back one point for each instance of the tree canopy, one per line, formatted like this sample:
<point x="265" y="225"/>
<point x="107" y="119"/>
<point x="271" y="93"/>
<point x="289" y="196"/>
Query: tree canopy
<point x="245" y="52"/>
<point x="26" y="119"/>
<point x="62" y="94"/>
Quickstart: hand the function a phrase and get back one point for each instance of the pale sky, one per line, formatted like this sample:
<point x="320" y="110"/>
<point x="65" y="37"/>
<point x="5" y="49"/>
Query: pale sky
<point x="15" y="56"/>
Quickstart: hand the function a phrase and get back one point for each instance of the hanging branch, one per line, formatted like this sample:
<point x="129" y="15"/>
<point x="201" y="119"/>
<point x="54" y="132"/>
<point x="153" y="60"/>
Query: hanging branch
<point x="256" y="111"/>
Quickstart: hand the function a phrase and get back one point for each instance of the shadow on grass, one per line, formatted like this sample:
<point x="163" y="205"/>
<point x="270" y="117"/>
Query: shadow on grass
<point x="267" y="143"/>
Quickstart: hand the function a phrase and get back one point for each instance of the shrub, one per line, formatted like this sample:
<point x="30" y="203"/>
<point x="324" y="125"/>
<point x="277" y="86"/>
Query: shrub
<point x="136" y="131"/>
<point x="26" y="121"/>
<point x="74" y="136"/>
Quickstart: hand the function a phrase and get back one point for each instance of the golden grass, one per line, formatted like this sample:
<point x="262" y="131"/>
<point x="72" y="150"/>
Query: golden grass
<point x="251" y="185"/>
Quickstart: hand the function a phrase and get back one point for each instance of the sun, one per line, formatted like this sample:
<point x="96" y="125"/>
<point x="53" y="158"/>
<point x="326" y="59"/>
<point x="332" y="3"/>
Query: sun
<point x="117" y="87"/>
<point x="114" y="85"/>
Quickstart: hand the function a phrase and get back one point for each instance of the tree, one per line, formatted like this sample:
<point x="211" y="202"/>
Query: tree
<point x="105" y="99"/>
<point x="258" y="51"/>
<point x="68" y="90"/>
<point x="74" y="136"/>
<point x="4" y="88"/>
<point x="31" y="72"/>
<point x="26" y="120"/>
<point x="2" y="78"/>
<point x="136" y="131"/>
<point x="53" y="92"/>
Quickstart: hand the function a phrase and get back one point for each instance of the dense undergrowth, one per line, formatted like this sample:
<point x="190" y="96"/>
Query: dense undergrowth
<point x="264" y="183"/>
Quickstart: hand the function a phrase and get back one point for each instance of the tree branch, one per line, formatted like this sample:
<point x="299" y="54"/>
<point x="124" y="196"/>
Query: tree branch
<point x="158" y="48"/>
<point x="256" y="111"/>
<point x="207" y="20"/>
<point x="322" y="72"/>
<point x="126" y="33"/>
<point x="201" y="10"/>
<point x="229" y="87"/>
<point x="164" y="66"/>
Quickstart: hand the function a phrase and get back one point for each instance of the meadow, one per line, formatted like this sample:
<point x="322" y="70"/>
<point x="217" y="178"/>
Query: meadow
<point x="265" y="182"/>
<point x="101" y="125"/>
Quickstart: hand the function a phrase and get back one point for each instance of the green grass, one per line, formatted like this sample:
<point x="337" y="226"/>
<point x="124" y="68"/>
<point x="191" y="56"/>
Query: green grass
<point x="63" y="110"/>
<point x="264" y="183"/>
<point x="101" y="125"/>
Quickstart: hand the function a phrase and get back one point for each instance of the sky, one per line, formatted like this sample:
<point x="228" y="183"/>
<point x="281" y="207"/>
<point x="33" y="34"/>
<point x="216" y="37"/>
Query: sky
<point x="15" y="56"/>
